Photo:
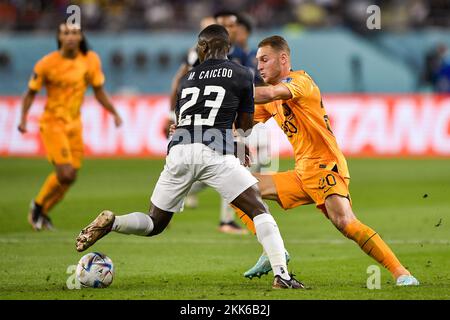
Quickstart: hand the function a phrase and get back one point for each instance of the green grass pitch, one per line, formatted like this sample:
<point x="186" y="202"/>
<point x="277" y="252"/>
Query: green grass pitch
<point x="406" y="201"/>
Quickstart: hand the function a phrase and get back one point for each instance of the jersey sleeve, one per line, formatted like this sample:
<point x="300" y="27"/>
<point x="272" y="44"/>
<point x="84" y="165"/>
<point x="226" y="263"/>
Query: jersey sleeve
<point x="97" y="78"/>
<point x="38" y="76"/>
<point x="247" y="103"/>
<point x="300" y="86"/>
<point x="261" y="113"/>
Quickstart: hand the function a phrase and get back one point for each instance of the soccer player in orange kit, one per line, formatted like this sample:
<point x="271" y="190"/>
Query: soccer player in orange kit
<point x="66" y="74"/>
<point x="320" y="175"/>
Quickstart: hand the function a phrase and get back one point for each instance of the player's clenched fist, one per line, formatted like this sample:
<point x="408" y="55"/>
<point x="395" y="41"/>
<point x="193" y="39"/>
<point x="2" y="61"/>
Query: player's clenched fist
<point x="22" y="127"/>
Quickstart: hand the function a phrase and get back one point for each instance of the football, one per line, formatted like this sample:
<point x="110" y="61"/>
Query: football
<point x="95" y="270"/>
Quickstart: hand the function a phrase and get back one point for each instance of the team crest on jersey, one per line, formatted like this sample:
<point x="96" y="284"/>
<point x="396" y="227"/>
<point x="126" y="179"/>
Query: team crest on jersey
<point x="288" y="125"/>
<point x="287" y="80"/>
<point x="287" y="112"/>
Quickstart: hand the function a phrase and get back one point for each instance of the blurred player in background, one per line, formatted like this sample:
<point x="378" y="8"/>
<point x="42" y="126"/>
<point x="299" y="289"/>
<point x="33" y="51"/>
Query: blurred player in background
<point x="244" y="30"/>
<point x="244" y="27"/>
<point x="66" y="74"/>
<point x="320" y="175"/>
<point x="202" y="148"/>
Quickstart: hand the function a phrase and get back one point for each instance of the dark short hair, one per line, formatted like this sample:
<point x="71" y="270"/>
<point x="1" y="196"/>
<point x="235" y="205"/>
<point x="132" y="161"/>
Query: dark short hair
<point x="225" y="13"/>
<point x="275" y="42"/>
<point x="244" y="20"/>
<point x="84" y="47"/>
<point x="215" y="33"/>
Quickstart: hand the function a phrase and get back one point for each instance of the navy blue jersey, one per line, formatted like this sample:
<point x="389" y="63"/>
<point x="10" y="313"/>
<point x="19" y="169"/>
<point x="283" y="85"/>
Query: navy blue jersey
<point x="237" y="54"/>
<point x="208" y="100"/>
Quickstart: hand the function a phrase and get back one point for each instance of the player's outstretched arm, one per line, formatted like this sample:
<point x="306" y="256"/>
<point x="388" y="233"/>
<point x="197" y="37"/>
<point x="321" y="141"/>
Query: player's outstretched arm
<point x="103" y="99"/>
<point x="26" y="105"/>
<point x="268" y="94"/>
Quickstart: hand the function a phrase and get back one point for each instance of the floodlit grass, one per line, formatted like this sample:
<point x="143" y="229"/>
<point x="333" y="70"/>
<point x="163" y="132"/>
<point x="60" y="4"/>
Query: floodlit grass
<point x="406" y="201"/>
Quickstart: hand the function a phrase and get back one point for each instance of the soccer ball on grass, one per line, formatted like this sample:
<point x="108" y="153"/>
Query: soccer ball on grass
<point x="95" y="270"/>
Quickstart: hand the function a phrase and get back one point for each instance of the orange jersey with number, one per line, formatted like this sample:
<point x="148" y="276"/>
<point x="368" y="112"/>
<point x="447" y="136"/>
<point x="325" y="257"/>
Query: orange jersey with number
<point x="304" y="121"/>
<point x="66" y="81"/>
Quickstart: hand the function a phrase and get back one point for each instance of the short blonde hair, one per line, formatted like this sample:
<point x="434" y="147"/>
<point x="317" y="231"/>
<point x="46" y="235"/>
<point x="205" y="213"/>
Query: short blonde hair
<point x="276" y="42"/>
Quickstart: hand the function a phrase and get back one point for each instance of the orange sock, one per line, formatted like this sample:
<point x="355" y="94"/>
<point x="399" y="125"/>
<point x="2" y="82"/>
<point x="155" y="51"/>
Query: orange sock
<point x="57" y="197"/>
<point x="245" y="219"/>
<point x="51" y="192"/>
<point x="372" y="244"/>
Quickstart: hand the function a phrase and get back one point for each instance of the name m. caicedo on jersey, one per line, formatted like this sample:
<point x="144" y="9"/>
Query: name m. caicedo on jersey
<point x="213" y="73"/>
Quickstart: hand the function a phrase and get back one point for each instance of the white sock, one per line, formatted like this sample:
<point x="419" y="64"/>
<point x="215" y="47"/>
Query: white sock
<point x="265" y="254"/>
<point x="137" y="223"/>
<point x="270" y="238"/>
<point x="226" y="212"/>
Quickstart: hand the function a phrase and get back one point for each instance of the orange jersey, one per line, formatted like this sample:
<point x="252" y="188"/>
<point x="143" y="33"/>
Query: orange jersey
<point x="304" y="121"/>
<point x="66" y="81"/>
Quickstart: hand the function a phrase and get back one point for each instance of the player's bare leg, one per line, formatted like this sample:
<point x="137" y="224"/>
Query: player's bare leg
<point x="268" y="235"/>
<point x="136" y="223"/>
<point x="341" y="215"/>
<point x="268" y="191"/>
<point x="227" y="220"/>
<point x="267" y="186"/>
<point x="228" y="213"/>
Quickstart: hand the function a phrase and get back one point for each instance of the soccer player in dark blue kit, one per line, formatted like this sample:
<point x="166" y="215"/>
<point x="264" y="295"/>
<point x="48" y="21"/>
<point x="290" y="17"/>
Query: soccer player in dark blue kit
<point x="231" y="21"/>
<point x="211" y="97"/>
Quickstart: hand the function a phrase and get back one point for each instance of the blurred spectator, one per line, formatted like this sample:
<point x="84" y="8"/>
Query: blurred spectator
<point x="117" y="59"/>
<point x="164" y="60"/>
<point x="419" y="11"/>
<point x="311" y="14"/>
<point x="442" y="75"/>
<point x="5" y="60"/>
<point x="434" y="74"/>
<point x="443" y="78"/>
<point x="8" y="15"/>
<point x="184" y="14"/>
<point x="141" y="60"/>
<point x="439" y="13"/>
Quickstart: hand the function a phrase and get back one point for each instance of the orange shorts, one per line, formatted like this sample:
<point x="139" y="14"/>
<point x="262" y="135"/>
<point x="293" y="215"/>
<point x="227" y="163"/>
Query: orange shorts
<point x="312" y="186"/>
<point x="63" y="142"/>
